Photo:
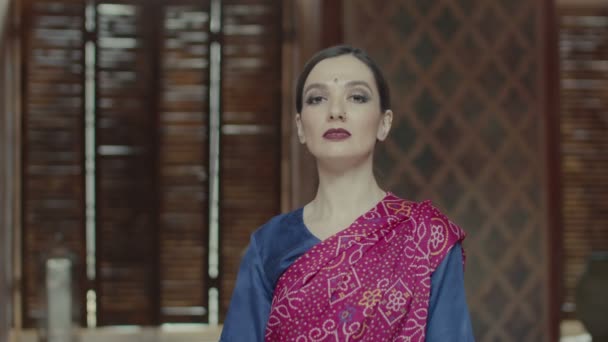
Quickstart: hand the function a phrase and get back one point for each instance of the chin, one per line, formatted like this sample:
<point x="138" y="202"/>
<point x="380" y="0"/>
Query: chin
<point x="341" y="159"/>
<point x="339" y="152"/>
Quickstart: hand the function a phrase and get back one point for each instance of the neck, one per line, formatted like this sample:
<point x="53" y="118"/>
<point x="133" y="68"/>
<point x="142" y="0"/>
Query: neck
<point x="347" y="191"/>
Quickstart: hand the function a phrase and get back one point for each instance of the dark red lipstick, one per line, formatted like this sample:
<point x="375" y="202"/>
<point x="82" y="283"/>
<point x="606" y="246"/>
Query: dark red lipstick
<point x="336" y="134"/>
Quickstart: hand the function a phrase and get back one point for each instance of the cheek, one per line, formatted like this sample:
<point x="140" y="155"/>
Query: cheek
<point x="370" y="122"/>
<point x="309" y="122"/>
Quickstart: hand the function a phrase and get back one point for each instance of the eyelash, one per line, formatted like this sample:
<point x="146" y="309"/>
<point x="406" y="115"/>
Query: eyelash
<point x="357" y="98"/>
<point x="314" y="99"/>
<point x="360" y="98"/>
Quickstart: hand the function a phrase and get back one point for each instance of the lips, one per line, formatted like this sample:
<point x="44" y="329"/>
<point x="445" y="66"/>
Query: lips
<point x="336" y="134"/>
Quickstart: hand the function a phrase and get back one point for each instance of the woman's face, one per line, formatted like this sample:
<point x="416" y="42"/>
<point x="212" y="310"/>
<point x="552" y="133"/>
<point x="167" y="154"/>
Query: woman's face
<point x="341" y="117"/>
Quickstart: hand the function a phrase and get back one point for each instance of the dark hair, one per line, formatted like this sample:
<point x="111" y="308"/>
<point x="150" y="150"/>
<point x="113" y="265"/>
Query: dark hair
<point x="336" y="51"/>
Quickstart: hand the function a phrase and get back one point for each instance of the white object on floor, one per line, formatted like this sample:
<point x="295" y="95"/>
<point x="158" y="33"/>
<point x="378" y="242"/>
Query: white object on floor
<point x="59" y="299"/>
<point x="579" y="338"/>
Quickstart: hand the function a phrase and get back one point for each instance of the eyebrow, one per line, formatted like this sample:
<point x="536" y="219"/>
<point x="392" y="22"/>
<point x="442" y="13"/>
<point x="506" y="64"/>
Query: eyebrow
<point x="349" y="84"/>
<point x="314" y="85"/>
<point x="359" y="83"/>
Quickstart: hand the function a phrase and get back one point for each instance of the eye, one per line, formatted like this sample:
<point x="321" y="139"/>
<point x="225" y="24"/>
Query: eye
<point x="360" y="98"/>
<point x="314" y="99"/>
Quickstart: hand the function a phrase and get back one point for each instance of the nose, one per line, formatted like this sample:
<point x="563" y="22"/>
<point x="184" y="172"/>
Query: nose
<point x="337" y="111"/>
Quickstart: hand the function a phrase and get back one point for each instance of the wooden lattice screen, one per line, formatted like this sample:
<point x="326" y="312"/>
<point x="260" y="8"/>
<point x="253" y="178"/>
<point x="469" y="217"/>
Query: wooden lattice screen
<point x="469" y="134"/>
<point x="151" y="75"/>
<point x="584" y="142"/>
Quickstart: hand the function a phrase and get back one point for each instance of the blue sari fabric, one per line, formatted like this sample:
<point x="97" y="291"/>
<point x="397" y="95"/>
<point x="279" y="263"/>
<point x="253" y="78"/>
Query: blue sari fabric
<point x="278" y="243"/>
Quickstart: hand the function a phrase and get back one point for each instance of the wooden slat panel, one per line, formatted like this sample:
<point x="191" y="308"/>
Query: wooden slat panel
<point x="183" y="158"/>
<point x="584" y="77"/>
<point x="53" y="172"/>
<point x="250" y="171"/>
<point x="125" y="145"/>
<point x="152" y="151"/>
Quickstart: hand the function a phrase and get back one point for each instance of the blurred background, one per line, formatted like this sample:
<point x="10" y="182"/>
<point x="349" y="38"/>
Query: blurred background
<point x="142" y="141"/>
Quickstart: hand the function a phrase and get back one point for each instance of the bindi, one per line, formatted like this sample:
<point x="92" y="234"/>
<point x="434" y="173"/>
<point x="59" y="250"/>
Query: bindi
<point x="336" y="80"/>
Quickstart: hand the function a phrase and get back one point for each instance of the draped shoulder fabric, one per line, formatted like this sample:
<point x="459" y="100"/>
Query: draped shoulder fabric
<point x="369" y="282"/>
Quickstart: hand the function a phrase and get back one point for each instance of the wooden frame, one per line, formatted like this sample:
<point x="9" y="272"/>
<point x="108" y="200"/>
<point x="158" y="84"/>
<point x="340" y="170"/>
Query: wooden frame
<point x="10" y="123"/>
<point x="550" y="103"/>
<point x="8" y="146"/>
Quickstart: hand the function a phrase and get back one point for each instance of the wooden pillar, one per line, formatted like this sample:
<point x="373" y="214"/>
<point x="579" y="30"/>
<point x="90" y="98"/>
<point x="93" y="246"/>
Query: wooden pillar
<point x="9" y="170"/>
<point x="551" y="112"/>
<point x="309" y="26"/>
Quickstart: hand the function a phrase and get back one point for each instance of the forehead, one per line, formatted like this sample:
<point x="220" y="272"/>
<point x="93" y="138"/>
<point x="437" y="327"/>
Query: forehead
<point x="343" y="68"/>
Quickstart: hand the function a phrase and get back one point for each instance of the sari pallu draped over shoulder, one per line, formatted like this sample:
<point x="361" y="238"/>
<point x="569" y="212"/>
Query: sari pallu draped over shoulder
<point x="369" y="282"/>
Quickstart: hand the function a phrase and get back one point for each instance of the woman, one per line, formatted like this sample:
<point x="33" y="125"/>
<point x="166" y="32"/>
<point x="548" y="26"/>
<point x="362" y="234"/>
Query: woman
<point x="336" y="270"/>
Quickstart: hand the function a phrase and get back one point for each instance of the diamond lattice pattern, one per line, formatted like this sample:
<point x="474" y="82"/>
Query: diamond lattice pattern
<point x="467" y="135"/>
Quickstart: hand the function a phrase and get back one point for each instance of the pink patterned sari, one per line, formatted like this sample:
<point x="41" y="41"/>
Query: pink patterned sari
<point x="369" y="282"/>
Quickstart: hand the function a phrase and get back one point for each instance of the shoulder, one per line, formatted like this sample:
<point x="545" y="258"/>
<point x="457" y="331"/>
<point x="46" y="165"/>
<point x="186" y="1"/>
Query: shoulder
<point x="435" y="233"/>
<point x="275" y="227"/>
<point x="428" y="214"/>
<point x="424" y="212"/>
<point x="280" y="241"/>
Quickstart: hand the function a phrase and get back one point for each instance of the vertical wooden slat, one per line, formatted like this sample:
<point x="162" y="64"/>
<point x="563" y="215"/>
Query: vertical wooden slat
<point x="125" y="147"/>
<point x="183" y="158"/>
<point x="153" y="13"/>
<point x="250" y="128"/>
<point x="52" y="139"/>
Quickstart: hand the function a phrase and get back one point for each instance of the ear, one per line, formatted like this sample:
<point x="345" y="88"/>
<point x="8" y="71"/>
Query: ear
<point x="385" y="125"/>
<point x="300" y="130"/>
